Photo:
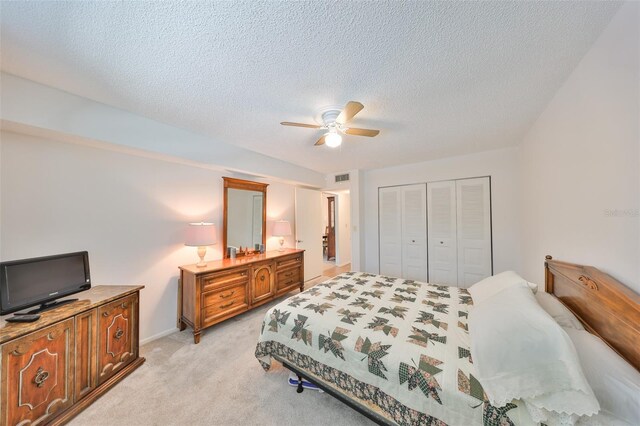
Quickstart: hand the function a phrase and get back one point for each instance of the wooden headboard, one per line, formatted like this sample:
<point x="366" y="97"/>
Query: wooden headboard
<point x="606" y="307"/>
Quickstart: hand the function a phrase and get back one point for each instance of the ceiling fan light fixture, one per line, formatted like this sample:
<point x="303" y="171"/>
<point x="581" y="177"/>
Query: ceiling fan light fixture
<point x="333" y="139"/>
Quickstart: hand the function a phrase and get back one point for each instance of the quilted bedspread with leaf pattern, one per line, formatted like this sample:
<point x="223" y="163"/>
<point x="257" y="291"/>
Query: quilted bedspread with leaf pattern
<point x="399" y="348"/>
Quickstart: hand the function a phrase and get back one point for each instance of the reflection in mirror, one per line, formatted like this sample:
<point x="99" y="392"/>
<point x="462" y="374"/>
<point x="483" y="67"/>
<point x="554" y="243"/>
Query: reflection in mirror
<point x="244" y="224"/>
<point x="245" y="215"/>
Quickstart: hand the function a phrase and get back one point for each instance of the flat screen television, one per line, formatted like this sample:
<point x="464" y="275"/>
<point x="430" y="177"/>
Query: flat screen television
<point x="41" y="281"/>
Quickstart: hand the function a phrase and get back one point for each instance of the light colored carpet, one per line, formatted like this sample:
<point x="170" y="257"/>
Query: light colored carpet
<point x="217" y="382"/>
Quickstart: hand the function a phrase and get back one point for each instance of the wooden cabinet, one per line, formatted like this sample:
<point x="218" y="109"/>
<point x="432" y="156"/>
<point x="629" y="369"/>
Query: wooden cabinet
<point x="55" y="367"/>
<point x="226" y="300"/>
<point x="262" y="283"/>
<point x="117" y="340"/>
<point x="38" y="374"/>
<point x="86" y="331"/>
<point x="228" y="287"/>
<point x="289" y="273"/>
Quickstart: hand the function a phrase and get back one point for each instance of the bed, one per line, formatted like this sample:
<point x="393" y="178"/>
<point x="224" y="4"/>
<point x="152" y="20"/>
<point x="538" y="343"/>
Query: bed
<point x="398" y="350"/>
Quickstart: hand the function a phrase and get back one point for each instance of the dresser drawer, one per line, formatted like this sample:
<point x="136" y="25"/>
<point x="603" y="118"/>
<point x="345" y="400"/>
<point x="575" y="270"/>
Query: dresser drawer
<point x="221" y="297"/>
<point x="223" y="307"/>
<point x="288" y="278"/>
<point x="289" y="262"/>
<point x="222" y="279"/>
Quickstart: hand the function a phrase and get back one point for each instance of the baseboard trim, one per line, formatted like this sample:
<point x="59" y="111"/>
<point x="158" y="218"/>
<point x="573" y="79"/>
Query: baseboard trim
<point x="158" y="336"/>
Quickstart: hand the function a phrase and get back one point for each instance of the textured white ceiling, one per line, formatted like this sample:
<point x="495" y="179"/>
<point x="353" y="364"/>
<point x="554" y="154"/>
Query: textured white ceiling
<point x="437" y="78"/>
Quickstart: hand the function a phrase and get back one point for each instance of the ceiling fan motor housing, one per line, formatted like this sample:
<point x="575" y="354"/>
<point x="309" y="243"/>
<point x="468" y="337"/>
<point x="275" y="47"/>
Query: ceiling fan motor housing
<point x="329" y="117"/>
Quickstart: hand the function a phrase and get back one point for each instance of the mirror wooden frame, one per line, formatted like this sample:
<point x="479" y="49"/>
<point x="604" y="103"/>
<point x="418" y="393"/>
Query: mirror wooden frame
<point x="247" y="185"/>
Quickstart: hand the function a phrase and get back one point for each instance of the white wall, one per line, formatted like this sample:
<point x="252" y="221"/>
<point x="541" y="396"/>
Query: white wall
<point x="280" y="206"/>
<point x="28" y="103"/>
<point x="501" y="165"/>
<point x="129" y="212"/>
<point x="581" y="162"/>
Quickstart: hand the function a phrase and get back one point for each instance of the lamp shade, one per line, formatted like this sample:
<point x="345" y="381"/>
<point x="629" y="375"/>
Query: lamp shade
<point x="201" y="234"/>
<point x="281" y="228"/>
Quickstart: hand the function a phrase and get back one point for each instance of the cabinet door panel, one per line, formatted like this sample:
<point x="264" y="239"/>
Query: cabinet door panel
<point x="39" y="375"/>
<point x="117" y="333"/>
<point x="86" y="325"/>
<point x="262" y="282"/>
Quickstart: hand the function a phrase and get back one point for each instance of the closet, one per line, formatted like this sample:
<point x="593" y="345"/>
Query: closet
<point x="438" y="232"/>
<point x="403" y="231"/>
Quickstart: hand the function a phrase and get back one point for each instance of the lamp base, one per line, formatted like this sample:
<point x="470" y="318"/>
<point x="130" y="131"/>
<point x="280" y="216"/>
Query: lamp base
<point x="201" y="252"/>
<point x="281" y="244"/>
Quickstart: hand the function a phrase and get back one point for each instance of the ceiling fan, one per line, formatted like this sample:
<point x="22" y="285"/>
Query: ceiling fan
<point x="335" y="120"/>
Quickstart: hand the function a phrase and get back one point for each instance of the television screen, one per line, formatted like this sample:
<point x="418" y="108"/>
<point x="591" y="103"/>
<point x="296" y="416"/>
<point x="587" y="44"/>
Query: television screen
<point x="30" y="282"/>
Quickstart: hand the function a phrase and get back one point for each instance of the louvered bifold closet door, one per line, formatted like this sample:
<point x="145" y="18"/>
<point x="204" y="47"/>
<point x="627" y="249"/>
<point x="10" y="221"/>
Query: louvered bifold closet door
<point x="390" y="231"/>
<point x="441" y="202"/>
<point x="414" y="232"/>
<point x="474" y="230"/>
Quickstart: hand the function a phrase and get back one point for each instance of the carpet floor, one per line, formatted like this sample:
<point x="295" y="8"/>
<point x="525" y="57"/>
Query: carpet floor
<point x="217" y="382"/>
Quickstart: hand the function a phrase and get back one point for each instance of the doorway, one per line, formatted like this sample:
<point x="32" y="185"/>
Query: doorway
<point x="336" y="232"/>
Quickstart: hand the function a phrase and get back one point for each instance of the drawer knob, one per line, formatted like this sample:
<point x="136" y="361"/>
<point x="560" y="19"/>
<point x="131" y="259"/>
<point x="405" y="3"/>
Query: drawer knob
<point x="227" y="305"/>
<point x="119" y="333"/>
<point x="41" y="376"/>
<point x="224" y="296"/>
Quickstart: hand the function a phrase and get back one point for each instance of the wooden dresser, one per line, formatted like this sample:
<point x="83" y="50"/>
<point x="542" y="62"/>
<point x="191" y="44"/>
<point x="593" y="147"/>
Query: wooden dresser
<point x="228" y="287"/>
<point x="55" y="367"/>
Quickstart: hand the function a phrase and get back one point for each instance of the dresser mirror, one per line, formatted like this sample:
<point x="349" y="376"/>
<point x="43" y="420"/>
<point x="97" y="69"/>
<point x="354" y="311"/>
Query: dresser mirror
<point x="245" y="214"/>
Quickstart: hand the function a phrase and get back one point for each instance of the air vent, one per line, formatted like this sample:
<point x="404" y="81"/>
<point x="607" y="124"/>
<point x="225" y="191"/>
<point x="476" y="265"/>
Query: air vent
<point x="342" y="178"/>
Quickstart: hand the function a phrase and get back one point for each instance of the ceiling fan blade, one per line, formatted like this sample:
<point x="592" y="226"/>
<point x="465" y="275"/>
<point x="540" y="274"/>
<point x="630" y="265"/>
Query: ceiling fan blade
<point x="320" y="141"/>
<point x="311" y="126"/>
<point x="349" y="111"/>
<point x="362" y="132"/>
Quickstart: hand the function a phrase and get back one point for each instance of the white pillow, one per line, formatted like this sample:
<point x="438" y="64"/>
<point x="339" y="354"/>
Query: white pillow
<point x="558" y="311"/>
<point x="615" y="382"/>
<point x="487" y="288"/>
<point x="520" y="352"/>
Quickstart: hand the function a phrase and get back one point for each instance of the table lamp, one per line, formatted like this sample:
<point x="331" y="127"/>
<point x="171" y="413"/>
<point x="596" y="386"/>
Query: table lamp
<point x="201" y="235"/>
<point x="281" y="228"/>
